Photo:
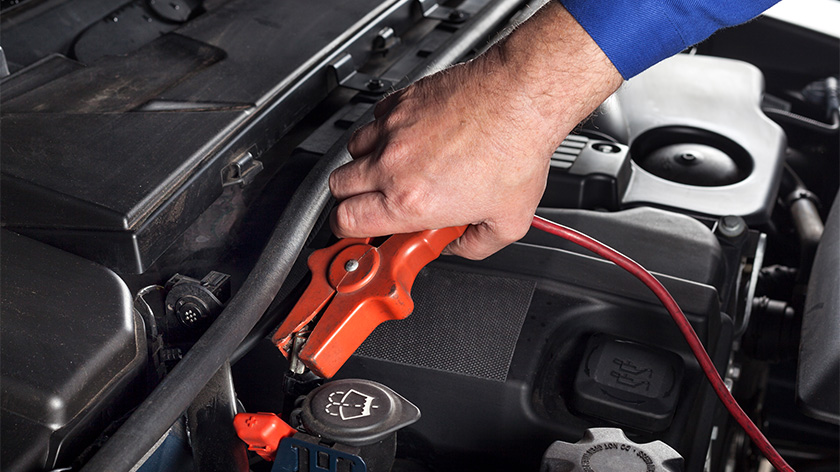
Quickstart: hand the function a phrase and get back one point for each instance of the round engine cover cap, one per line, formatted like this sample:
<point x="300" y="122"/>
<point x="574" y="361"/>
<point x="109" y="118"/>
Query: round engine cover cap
<point x="692" y="164"/>
<point x="609" y="450"/>
<point x="356" y="412"/>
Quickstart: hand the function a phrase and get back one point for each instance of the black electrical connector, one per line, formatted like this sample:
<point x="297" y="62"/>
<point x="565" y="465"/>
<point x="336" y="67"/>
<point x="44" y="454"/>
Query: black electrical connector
<point x="774" y="331"/>
<point x="824" y="92"/>
<point x="195" y="303"/>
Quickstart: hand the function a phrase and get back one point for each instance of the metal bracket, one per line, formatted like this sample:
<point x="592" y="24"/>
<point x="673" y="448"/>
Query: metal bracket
<point x="241" y="171"/>
<point x="431" y="9"/>
<point x="385" y="39"/>
<point x="4" y="66"/>
<point x="346" y="75"/>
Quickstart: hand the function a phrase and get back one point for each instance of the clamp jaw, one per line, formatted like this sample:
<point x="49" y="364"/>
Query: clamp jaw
<point x="355" y="286"/>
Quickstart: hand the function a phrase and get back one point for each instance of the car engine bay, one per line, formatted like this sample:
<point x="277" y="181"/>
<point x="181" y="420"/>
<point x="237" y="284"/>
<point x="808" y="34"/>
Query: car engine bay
<point x="164" y="171"/>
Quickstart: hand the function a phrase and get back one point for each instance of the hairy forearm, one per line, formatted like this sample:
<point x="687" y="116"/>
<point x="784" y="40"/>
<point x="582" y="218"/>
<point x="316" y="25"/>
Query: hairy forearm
<point x="557" y="67"/>
<point x="472" y="144"/>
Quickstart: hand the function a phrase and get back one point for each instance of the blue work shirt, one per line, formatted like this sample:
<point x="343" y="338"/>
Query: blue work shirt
<point x="636" y="34"/>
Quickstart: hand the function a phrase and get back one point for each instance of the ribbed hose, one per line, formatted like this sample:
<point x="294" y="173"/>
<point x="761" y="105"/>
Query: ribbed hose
<point x="177" y="390"/>
<point x="805" y="122"/>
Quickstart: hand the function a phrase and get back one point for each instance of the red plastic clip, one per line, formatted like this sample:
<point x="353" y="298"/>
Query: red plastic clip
<point x="262" y="432"/>
<point x="358" y="286"/>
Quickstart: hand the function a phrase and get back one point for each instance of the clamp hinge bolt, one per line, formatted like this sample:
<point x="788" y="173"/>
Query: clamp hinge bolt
<point x="351" y="265"/>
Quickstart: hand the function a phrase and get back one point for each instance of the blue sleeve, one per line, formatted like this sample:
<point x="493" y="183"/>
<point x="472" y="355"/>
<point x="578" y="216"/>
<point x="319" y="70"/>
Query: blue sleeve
<point x="636" y="34"/>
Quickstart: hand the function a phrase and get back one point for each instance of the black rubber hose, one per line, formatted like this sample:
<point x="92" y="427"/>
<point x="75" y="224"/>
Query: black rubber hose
<point x="805" y="122"/>
<point x="825" y="91"/>
<point x="804" y="211"/>
<point x="178" y="389"/>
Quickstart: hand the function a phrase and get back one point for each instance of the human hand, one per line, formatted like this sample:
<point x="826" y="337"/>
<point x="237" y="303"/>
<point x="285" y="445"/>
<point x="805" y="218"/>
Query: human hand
<point x="471" y="144"/>
<point x="442" y="153"/>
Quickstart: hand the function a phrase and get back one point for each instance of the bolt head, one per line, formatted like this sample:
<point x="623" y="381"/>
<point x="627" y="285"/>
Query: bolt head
<point x="456" y="15"/>
<point x="732" y="226"/>
<point x="375" y="84"/>
<point x="606" y="148"/>
<point x="351" y="265"/>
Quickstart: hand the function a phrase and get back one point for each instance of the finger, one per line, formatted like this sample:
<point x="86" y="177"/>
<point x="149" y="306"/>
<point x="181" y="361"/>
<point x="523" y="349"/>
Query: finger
<point x="368" y="215"/>
<point x="354" y="178"/>
<point x="479" y="242"/>
<point x="387" y="104"/>
<point x="364" y="140"/>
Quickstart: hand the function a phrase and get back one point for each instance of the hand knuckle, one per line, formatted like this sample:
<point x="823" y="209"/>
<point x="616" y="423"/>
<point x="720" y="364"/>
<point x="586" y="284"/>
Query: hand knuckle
<point x="393" y="152"/>
<point x="411" y="201"/>
<point x="360" y="131"/>
<point x="395" y="119"/>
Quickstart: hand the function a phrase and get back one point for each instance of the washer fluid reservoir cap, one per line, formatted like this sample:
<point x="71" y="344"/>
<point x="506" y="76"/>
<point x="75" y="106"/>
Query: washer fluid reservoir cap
<point x="356" y="412"/>
<point x="609" y="450"/>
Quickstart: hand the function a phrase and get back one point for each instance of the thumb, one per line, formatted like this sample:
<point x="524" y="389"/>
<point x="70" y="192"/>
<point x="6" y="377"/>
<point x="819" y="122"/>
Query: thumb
<point x="477" y="242"/>
<point x="482" y="240"/>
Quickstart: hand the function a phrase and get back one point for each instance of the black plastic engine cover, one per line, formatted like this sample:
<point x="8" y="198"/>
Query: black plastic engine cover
<point x="491" y="353"/>
<point x="70" y="345"/>
<point x="130" y="149"/>
<point x="818" y="377"/>
<point x="662" y="241"/>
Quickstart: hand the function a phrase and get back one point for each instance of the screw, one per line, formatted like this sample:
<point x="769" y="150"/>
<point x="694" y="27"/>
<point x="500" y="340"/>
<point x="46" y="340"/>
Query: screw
<point x="351" y="265"/>
<point x="732" y="223"/>
<point x="732" y="226"/>
<point x="606" y="148"/>
<point x="688" y="156"/>
<point x="456" y="15"/>
<point x="375" y="84"/>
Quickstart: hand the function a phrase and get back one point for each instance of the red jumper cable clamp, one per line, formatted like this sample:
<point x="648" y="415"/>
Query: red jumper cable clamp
<point x="355" y="286"/>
